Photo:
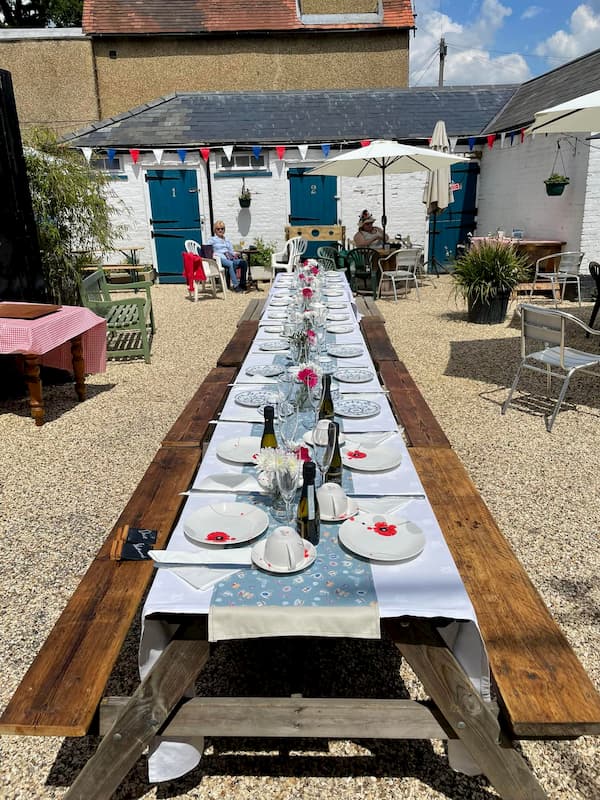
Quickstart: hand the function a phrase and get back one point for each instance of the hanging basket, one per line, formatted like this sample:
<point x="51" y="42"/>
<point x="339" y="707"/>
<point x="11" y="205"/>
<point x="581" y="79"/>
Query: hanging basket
<point x="555" y="189"/>
<point x="244" y="202"/>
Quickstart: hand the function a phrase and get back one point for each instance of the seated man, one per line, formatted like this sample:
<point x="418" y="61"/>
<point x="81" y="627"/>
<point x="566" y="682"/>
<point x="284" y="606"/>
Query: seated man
<point x="223" y="248"/>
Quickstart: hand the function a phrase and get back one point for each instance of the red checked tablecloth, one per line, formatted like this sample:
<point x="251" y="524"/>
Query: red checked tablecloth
<point x="50" y="336"/>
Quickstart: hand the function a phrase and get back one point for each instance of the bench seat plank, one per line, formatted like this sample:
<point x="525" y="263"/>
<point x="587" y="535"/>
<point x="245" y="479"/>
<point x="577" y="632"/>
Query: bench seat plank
<point x="239" y="345"/>
<point x="378" y="342"/>
<point x="63" y="687"/>
<point x="410" y="407"/>
<point x="189" y="429"/>
<point x="543" y="688"/>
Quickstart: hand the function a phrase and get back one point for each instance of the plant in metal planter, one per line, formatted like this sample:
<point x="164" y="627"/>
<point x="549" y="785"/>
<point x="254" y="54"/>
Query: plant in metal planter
<point x="555" y="184"/>
<point x="485" y="276"/>
<point x="245" y="196"/>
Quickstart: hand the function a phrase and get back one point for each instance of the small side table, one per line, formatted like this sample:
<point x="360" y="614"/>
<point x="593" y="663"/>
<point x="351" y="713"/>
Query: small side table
<point x="251" y="282"/>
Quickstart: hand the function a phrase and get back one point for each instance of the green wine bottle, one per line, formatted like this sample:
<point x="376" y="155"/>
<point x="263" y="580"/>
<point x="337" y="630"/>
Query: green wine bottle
<point x="268" y="437"/>
<point x="326" y="407"/>
<point x="308" y="517"/>
<point x="334" y="473"/>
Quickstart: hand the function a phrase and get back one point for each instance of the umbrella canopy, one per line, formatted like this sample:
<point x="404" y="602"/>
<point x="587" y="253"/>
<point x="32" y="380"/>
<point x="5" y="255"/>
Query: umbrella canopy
<point x="580" y="114"/>
<point x="438" y="195"/>
<point x="382" y="156"/>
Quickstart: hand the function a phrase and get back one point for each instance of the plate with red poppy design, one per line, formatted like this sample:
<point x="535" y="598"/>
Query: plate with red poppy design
<point x="240" y="449"/>
<point x="225" y="523"/>
<point x="258" y="557"/>
<point x="382" y="538"/>
<point x="371" y="459"/>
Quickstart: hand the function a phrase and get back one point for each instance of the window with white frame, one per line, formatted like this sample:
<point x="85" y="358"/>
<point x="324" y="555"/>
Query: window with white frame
<point x="243" y="162"/>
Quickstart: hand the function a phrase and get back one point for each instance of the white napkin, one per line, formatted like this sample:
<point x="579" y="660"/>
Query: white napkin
<point x="239" y="556"/>
<point x="229" y="482"/>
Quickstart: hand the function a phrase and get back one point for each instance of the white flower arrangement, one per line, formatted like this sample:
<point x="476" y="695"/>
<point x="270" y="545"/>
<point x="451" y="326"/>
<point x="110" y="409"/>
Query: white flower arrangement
<point x="270" y="459"/>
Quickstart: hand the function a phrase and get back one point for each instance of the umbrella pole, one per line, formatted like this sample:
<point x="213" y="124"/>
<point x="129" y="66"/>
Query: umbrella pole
<point x="433" y="262"/>
<point x="383" y="216"/>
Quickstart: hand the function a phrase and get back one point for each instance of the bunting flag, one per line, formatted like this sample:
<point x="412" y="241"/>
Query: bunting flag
<point x="453" y="142"/>
<point x="280" y="151"/>
<point x="303" y="150"/>
<point x="228" y="150"/>
<point x="490" y="140"/>
<point x="111" y="153"/>
<point x="522" y="135"/>
<point x="135" y="154"/>
<point x="512" y="135"/>
<point x="182" y="153"/>
<point x="87" y="153"/>
<point x="205" y="152"/>
<point x="502" y="138"/>
<point x="158" y="154"/>
<point x="325" y="148"/>
<point x="471" y="142"/>
<point x="365" y="142"/>
<point x="257" y="150"/>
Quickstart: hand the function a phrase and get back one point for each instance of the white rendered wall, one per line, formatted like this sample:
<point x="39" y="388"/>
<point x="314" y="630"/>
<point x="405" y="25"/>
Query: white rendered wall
<point x="590" y="229"/>
<point x="512" y="193"/>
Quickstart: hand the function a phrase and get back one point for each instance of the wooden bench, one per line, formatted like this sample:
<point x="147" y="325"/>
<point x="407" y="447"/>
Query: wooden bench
<point x="542" y="689"/>
<point x="129" y="320"/>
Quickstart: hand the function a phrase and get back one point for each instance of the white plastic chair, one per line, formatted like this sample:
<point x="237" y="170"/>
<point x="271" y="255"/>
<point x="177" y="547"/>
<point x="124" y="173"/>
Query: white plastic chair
<point x="289" y="258"/>
<point x="406" y="261"/>
<point x="547" y="327"/>
<point x="213" y="269"/>
<point x="566" y="270"/>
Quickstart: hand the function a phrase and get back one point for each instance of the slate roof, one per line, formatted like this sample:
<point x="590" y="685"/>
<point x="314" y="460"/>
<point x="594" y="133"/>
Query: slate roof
<point x="563" y="83"/>
<point x="169" y="17"/>
<point x="205" y="118"/>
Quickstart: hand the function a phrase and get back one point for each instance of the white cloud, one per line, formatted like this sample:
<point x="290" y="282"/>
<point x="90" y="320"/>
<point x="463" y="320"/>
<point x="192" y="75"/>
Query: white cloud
<point x="582" y="36"/>
<point x="531" y="12"/>
<point x="469" y="61"/>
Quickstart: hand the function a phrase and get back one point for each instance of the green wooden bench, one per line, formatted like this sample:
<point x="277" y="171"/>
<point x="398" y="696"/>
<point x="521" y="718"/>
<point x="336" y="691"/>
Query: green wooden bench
<point x="129" y="320"/>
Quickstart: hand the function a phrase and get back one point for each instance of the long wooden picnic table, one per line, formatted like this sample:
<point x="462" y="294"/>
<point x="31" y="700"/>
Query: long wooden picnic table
<point x="541" y="687"/>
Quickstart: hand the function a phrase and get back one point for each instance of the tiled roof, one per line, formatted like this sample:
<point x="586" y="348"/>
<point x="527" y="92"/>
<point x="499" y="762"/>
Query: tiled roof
<point x="563" y="83"/>
<point x="142" y="17"/>
<point x="199" y="118"/>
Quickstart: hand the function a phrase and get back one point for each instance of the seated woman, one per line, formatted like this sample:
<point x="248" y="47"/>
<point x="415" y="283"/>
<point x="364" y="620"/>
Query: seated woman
<point x="223" y="248"/>
<point x="368" y="235"/>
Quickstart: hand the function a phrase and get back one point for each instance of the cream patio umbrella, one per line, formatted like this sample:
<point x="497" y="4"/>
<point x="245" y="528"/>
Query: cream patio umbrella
<point x="381" y="157"/>
<point x="438" y="192"/>
<point x="579" y="114"/>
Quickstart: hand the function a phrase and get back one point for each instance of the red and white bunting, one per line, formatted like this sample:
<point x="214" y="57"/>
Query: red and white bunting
<point x="280" y="151"/>
<point x="228" y="150"/>
<point x="135" y="154"/>
<point x="303" y="150"/>
<point x="205" y="152"/>
<point x="87" y="153"/>
<point x="158" y="154"/>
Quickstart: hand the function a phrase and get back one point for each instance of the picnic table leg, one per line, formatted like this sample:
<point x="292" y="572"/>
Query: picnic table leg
<point x="78" y="366"/>
<point x="148" y="708"/>
<point x="474" y="723"/>
<point x="34" y="388"/>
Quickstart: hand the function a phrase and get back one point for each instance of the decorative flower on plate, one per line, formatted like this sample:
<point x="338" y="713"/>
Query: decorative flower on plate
<point x="384" y="529"/>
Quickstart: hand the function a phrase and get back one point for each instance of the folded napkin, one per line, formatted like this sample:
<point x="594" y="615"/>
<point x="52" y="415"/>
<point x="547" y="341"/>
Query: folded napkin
<point x="238" y="556"/>
<point x="229" y="482"/>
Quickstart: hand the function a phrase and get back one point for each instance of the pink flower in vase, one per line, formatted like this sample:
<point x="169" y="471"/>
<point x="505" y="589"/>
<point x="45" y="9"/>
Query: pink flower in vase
<point x="311" y="336"/>
<point x="307" y="292"/>
<point x="308" y="377"/>
<point x="302" y="454"/>
<point x="301" y="276"/>
<point x="314" y="270"/>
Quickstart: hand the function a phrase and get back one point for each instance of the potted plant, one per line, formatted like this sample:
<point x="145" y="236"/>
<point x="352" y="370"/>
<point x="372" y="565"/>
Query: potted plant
<point x="245" y="196"/>
<point x="555" y="184"/>
<point x="485" y="276"/>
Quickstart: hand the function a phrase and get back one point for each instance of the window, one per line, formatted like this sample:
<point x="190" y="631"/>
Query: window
<point x="243" y="162"/>
<point x="109" y="164"/>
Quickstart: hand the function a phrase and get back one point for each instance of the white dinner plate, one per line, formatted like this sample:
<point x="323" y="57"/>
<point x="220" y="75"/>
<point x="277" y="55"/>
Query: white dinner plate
<point x="272" y="329"/>
<point x="351" y="510"/>
<point x="382" y="537"/>
<point x="275" y="345"/>
<point x="345" y="350"/>
<point x="277" y="314"/>
<point x="256" y="397"/>
<point x="225" y="523"/>
<point x="353" y="374"/>
<point x="337" y="316"/>
<point x="240" y="449"/>
<point x="333" y="292"/>
<point x="280" y="301"/>
<point x="266" y="370"/>
<point x="356" y="409"/>
<point x="336" y="304"/>
<point x="371" y="459"/>
<point x="339" y="327"/>
<point x="229" y="482"/>
<point x="258" y="557"/>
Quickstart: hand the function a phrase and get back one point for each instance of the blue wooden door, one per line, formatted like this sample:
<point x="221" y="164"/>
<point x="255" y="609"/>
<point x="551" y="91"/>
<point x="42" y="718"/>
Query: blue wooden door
<point x="312" y="202"/>
<point x="450" y="227"/>
<point x="175" y="217"/>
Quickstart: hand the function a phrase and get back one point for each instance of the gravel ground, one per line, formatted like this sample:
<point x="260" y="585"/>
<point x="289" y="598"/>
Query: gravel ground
<point x="62" y="487"/>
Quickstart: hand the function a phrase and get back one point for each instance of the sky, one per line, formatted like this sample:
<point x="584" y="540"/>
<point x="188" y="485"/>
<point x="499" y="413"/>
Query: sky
<point x="499" y="41"/>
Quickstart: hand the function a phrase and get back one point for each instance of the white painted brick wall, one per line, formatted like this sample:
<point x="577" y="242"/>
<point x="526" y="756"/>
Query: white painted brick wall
<point x="511" y="192"/>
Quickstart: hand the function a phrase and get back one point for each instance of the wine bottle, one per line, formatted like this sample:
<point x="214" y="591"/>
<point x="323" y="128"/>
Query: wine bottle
<point x="308" y="518"/>
<point x="334" y="473"/>
<point x="268" y="438"/>
<point x="326" y="407"/>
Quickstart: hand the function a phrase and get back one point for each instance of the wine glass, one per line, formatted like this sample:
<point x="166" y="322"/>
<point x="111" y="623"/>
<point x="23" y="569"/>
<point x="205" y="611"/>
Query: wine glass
<point x="323" y="437"/>
<point x="286" y="476"/>
<point x="287" y="417"/>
